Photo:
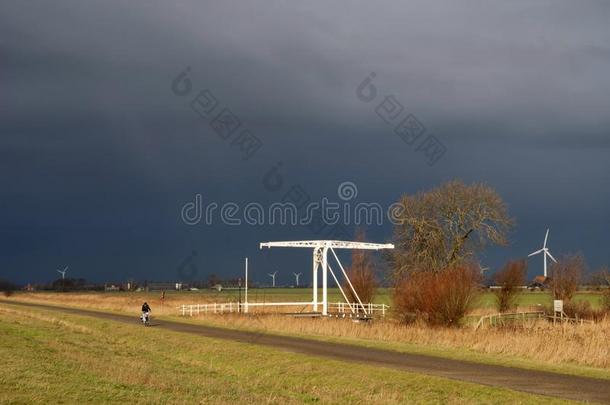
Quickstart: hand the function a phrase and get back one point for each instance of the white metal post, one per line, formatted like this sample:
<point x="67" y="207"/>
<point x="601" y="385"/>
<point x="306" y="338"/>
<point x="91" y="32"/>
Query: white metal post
<point x="544" y="254"/>
<point x="325" y="281"/>
<point x="315" y="280"/>
<point x="348" y="280"/>
<point x="332" y="273"/>
<point x="246" y="292"/>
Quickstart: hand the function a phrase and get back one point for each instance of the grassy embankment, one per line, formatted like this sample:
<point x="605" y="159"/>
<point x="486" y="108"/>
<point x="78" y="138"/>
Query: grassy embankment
<point x="570" y="349"/>
<point x="57" y="358"/>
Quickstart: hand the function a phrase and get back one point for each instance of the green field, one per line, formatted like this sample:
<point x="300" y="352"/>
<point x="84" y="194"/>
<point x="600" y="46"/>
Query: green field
<point x="532" y="298"/>
<point x="57" y="358"/>
<point x="383" y="296"/>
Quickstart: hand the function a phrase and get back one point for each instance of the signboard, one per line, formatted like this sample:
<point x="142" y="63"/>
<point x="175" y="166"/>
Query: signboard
<point x="558" y="305"/>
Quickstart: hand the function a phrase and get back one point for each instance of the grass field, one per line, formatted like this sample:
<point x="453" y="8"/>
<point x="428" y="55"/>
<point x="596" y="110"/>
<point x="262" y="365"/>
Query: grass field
<point x="383" y="296"/>
<point x="580" y="350"/>
<point x="486" y="300"/>
<point x="533" y="298"/>
<point x="57" y="358"/>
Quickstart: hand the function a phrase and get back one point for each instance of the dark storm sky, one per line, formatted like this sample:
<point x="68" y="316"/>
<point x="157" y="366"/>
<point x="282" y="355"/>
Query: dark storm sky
<point x="98" y="155"/>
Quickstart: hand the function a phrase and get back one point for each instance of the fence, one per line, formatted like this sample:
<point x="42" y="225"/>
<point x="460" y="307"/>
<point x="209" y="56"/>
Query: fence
<point x="340" y="309"/>
<point x="343" y="308"/>
<point x="500" y="318"/>
<point x="215" y="308"/>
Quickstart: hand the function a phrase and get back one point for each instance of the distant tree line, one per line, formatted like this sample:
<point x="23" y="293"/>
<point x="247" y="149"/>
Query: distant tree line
<point x="7" y="288"/>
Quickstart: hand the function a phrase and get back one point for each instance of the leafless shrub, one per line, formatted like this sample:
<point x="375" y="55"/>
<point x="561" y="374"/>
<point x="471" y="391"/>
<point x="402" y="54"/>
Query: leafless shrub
<point x="510" y="278"/>
<point x="600" y="279"/>
<point x="583" y="310"/>
<point x="603" y="276"/>
<point x="438" y="298"/>
<point x="606" y="300"/>
<point x="565" y="276"/>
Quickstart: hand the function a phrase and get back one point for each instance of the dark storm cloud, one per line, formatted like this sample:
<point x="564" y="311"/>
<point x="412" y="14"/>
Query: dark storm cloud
<point x="518" y="93"/>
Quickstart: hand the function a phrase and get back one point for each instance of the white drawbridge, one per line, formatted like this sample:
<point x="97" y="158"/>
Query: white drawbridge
<point x="320" y="260"/>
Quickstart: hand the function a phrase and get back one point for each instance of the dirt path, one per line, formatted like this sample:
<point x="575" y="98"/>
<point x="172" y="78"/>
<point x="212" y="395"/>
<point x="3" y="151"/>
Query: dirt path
<point x="531" y="381"/>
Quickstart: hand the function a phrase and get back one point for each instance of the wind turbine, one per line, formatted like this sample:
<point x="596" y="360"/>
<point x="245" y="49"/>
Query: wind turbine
<point x="63" y="277"/>
<point x="544" y="251"/>
<point x="272" y="275"/>
<point x="297" y="275"/>
<point x="63" y="272"/>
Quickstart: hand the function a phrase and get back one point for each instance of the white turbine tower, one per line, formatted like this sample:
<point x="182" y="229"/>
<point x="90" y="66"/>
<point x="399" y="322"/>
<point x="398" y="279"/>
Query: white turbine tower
<point x="272" y="275"/>
<point x="63" y="272"/>
<point x="63" y="277"/>
<point x="296" y="276"/>
<point x="545" y="252"/>
<point x="483" y="269"/>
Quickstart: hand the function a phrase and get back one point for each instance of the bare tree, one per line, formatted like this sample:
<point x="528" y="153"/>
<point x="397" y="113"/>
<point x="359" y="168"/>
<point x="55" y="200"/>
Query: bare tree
<point x="509" y="279"/>
<point x="601" y="280"/>
<point x="448" y="225"/>
<point x="605" y="272"/>
<point x="361" y="273"/>
<point x="565" y="276"/>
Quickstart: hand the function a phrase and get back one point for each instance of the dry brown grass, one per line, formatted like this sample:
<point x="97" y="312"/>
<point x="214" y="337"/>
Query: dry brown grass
<point x="537" y="340"/>
<point x="585" y="345"/>
<point x="123" y="302"/>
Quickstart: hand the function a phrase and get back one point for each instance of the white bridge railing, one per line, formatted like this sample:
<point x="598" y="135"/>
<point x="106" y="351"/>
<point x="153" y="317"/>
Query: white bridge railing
<point x="341" y="309"/>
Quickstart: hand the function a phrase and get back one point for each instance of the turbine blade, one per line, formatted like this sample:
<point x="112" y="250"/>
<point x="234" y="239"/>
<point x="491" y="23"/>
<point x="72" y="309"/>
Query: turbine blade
<point x="551" y="256"/>
<point x="545" y="238"/>
<point x="535" y="253"/>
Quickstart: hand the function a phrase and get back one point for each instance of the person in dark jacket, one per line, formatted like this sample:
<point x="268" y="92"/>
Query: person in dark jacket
<point x="145" y="313"/>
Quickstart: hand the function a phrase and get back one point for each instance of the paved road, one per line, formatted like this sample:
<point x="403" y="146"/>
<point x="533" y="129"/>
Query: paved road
<point x="535" y="382"/>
